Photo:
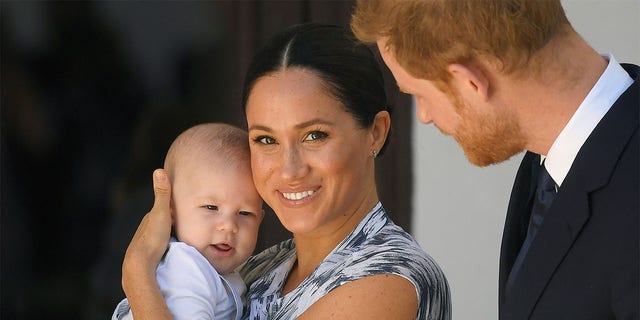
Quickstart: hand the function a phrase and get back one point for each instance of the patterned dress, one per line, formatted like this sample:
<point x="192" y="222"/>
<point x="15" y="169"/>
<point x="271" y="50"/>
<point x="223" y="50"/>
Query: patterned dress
<point x="376" y="246"/>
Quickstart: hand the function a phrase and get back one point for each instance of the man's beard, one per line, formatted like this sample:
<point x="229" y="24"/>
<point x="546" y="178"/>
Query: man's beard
<point x="487" y="138"/>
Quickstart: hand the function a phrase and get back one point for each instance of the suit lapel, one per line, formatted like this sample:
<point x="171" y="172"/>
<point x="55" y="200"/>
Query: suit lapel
<point x="518" y="212"/>
<point x="561" y="226"/>
<point x="565" y="219"/>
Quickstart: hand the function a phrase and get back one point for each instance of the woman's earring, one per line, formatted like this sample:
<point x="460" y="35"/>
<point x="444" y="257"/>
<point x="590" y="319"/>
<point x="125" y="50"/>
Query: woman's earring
<point x="374" y="154"/>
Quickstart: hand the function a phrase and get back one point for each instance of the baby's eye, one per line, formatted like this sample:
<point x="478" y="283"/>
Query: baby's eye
<point x="245" y="213"/>
<point x="316" y="135"/>
<point x="264" y="140"/>
<point x="211" y="207"/>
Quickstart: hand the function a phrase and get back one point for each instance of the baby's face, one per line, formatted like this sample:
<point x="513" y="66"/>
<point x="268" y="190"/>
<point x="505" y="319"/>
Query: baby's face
<point x="217" y="210"/>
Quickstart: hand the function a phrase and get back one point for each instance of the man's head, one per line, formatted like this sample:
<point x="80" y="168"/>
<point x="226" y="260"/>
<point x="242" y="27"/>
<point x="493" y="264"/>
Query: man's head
<point x="426" y="36"/>
<point x="449" y="55"/>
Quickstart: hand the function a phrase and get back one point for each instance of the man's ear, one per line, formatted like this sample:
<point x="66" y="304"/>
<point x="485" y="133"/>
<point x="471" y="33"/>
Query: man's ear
<point x="380" y="130"/>
<point x="471" y="81"/>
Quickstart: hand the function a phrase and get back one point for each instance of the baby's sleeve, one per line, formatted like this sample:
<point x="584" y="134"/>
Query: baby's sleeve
<point x="189" y="284"/>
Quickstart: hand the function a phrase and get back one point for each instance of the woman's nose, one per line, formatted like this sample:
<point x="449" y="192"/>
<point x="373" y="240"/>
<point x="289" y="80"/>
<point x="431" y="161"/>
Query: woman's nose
<point x="293" y="164"/>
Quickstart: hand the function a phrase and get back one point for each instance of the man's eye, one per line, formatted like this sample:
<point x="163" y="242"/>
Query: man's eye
<point x="264" y="140"/>
<point x="211" y="207"/>
<point x="316" y="135"/>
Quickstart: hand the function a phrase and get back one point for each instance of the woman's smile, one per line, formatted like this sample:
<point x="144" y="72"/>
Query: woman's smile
<point x="297" y="195"/>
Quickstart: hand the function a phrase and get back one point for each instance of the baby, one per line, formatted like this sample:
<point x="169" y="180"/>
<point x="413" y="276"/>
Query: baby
<point x="216" y="215"/>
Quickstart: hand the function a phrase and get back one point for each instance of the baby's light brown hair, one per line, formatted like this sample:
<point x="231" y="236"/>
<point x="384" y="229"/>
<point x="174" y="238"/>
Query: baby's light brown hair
<point x="214" y="141"/>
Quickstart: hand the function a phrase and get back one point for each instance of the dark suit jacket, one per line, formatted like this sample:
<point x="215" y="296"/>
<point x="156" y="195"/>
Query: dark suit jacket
<point x="583" y="263"/>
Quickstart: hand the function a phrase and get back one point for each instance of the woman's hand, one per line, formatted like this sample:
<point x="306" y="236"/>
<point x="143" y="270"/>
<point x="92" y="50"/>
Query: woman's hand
<point x="144" y="253"/>
<point x="152" y="237"/>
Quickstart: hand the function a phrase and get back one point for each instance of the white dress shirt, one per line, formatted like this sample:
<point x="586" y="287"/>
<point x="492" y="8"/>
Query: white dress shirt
<point x="611" y="85"/>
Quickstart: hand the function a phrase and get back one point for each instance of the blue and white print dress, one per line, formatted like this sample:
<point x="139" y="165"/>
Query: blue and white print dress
<point x="376" y="246"/>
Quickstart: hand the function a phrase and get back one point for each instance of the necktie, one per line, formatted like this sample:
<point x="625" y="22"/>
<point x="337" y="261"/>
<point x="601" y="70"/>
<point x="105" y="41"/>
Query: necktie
<point x="545" y="194"/>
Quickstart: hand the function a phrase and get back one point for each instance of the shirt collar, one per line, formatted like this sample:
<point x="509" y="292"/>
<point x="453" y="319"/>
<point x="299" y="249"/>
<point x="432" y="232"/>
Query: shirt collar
<point x="612" y="83"/>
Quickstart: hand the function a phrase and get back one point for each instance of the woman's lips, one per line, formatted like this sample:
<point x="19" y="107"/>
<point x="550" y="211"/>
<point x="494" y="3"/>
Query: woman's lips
<point x="297" y="195"/>
<point x="295" y="198"/>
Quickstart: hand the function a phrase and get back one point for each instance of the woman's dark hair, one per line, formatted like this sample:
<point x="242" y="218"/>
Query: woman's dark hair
<point x="347" y="67"/>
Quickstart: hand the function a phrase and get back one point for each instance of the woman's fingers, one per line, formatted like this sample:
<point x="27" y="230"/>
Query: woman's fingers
<point x="152" y="236"/>
<point x="160" y="215"/>
<point x="144" y="253"/>
<point x="162" y="192"/>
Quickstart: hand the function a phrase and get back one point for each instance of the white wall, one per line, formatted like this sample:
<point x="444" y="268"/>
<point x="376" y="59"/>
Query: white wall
<point x="459" y="209"/>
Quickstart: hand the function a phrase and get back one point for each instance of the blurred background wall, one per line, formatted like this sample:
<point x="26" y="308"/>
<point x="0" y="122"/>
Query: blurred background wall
<point x="92" y="94"/>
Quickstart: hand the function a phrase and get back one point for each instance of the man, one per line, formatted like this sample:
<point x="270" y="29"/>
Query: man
<point x="506" y="76"/>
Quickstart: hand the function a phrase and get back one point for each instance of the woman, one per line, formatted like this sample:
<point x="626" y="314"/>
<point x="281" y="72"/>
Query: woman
<point x="317" y="117"/>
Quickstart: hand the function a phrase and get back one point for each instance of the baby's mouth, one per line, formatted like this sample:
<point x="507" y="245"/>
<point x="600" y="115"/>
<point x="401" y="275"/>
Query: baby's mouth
<point x="222" y="247"/>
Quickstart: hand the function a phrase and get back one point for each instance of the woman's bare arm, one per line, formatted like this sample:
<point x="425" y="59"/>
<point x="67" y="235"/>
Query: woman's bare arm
<point x="144" y="253"/>
<point x="383" y="296"/>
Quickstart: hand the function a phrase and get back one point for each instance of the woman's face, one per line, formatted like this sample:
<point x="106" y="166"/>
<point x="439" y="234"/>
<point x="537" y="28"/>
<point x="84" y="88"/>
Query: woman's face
<point x="311" y="161"/>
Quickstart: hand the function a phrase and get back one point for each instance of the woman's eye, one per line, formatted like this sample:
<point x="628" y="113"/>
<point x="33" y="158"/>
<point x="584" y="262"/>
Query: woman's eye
<point x="211" y="207"/>
<point x="264" y="140"/>
<point x="316" y="135"/>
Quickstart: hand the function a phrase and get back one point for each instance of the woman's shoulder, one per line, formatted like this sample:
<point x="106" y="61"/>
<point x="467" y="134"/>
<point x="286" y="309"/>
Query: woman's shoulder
<point x="393" y="249"/>
<point x="379" y="246"/>
<point x="265" y="261"/>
